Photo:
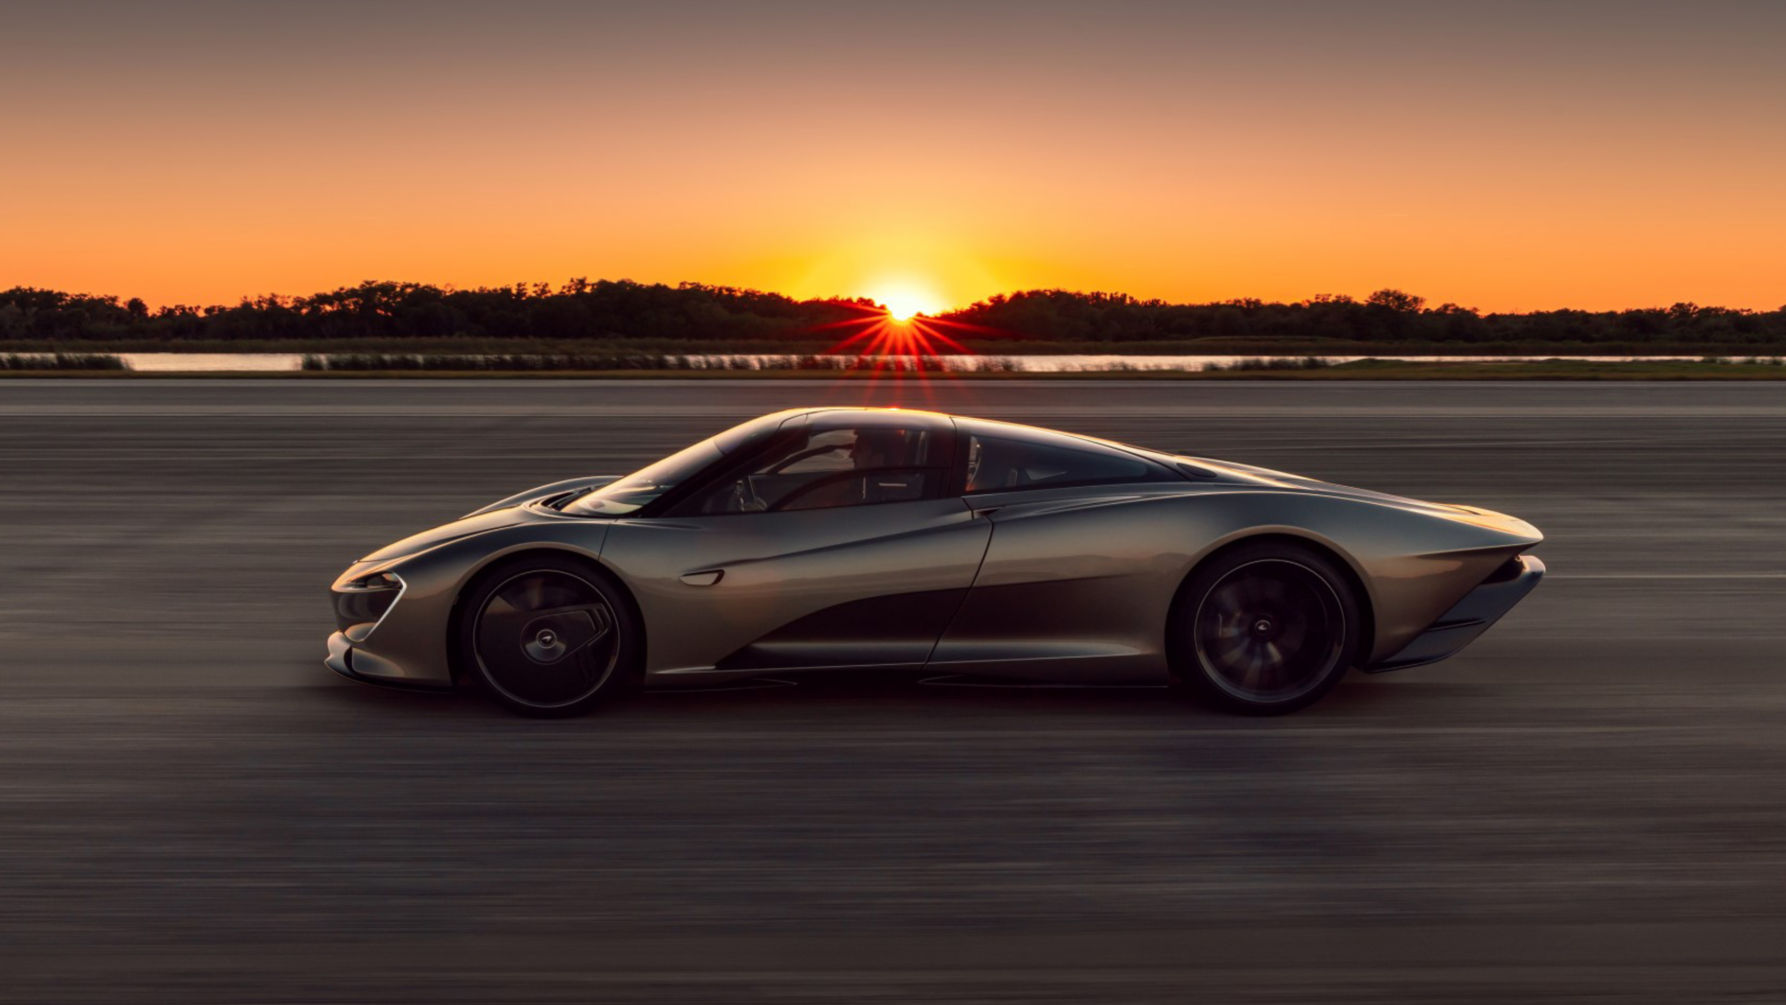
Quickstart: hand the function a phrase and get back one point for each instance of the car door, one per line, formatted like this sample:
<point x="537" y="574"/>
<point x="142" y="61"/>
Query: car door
<point x="1079" y="572"/>
<point x="839" y="544"/>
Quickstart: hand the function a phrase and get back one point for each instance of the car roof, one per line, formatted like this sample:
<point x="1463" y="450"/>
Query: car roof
<point x="835" y="416"/>
<point x="867" y="410"/>
<point x="985" y="427"/>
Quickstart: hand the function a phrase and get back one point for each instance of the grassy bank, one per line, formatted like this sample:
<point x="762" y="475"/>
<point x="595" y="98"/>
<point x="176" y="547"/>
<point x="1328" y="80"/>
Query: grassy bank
<point x="574" y="362"/>
<point x="62" y="362"/>
<point x="1760" y="369"/>
<point x="1250" y="346"/>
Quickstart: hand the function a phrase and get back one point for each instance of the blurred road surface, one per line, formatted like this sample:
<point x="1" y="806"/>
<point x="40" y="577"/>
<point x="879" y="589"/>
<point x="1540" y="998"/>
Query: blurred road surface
<point x="1588" y="803"/>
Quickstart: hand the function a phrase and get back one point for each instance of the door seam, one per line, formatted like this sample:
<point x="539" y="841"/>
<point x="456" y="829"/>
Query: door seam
<point x="991" y="531"/>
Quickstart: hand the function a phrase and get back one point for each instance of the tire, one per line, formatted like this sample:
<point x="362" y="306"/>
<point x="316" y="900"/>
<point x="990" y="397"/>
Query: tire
<point x="1263" y="629"/>
<point x="550" y="635"/>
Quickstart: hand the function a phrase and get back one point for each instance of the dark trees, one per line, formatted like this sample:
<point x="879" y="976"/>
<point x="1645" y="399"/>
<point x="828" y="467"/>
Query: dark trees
<point x="583" y="310"/>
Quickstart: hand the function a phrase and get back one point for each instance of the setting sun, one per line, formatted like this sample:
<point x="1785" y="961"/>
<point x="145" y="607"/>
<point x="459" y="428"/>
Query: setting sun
<point x="905" y="301"/>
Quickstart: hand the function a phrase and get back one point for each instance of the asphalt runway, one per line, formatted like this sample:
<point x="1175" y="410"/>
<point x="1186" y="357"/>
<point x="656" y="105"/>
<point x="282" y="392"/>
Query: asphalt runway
<point x="1586" y="804"/>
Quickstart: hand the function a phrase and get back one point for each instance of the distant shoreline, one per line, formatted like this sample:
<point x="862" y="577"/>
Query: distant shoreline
<point x="1225" y="346"/>
<point x="1541" y="370"/>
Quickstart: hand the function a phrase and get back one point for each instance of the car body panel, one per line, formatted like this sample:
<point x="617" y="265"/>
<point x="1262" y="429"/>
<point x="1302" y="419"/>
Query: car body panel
<point x="1076" y="581"/>
<point x="1469" y="617"/>
<point x="778" y="570"/>
<point x="1069" y="581"/>
<point x="411" y="643"/>
<point x="1110" y="601"/>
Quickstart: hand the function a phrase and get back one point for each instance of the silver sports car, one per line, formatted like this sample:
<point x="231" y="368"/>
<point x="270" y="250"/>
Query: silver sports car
<point x="832" y="538"/>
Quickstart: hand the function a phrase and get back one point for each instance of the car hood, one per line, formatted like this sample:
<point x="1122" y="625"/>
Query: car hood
<point x="478" y="523"/>
<point x="507" y="512"/>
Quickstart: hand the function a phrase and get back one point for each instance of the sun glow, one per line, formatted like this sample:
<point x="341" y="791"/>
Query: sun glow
<point x="905" y="301"/>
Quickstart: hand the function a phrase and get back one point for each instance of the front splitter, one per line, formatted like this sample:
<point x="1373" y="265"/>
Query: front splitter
<point x="341" y="660"/>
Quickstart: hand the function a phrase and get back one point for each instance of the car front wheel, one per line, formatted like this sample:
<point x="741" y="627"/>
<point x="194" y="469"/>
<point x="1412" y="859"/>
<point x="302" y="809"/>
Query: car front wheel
<point x="550" y="635"/>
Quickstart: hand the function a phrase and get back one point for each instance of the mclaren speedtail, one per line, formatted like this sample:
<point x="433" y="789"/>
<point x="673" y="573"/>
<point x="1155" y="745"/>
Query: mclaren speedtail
<point x="845" y="538"/>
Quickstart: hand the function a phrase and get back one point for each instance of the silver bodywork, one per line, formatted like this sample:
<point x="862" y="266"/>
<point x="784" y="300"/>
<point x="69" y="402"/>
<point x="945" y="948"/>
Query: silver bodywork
<point x="1071" y="582"/>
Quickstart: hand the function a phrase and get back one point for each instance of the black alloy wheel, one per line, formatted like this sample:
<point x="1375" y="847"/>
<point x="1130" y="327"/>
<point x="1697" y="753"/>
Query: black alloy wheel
<point x="550" y="636"/>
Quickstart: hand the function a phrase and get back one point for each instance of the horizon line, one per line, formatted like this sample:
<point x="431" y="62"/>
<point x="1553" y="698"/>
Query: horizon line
<point x="532" y="289"/>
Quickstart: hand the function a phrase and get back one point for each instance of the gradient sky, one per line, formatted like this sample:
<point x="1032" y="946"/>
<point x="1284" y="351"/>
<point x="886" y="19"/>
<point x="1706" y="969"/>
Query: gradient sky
<point x="1504" y="155"/>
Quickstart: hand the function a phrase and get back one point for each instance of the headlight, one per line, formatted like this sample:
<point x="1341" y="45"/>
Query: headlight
<point x="362" y="602"/>
<point x="376" y="581"/>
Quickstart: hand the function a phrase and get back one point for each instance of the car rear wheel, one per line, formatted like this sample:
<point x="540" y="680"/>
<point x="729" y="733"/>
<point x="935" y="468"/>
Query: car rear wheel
<point x="550" y="635"/>
<point x="1264" y="629"/>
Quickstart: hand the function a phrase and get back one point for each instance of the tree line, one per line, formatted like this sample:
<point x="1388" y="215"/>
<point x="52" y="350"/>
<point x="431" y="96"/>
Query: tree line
<point x="1385" y="316"/>
<point x="581" y="310"/>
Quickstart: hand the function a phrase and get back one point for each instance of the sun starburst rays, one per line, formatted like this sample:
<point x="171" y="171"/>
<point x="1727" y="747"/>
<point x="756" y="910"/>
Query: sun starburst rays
<point x="883" y="344"/>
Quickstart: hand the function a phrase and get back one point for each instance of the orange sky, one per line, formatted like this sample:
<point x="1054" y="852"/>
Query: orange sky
<point x="1506" y="156"/>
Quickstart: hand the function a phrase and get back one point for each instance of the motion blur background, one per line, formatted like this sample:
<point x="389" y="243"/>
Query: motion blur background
<point x="1582" y="805"/>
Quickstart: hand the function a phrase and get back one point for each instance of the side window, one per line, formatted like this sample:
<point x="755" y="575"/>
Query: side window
<point x="828" y="468"/>
<point x="995" y="464"/>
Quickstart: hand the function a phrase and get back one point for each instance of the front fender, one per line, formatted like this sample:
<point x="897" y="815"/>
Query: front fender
<point x="411" y="644"/>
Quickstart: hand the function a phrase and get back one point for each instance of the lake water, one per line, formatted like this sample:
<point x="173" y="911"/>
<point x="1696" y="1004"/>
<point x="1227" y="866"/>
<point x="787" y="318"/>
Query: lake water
<point x="212" y="362"/>
<point x="281" y="362"/>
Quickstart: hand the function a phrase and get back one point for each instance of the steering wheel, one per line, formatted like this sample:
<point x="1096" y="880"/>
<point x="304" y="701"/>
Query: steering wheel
<point x="803" y="455"/>
<point x="739" y="497"/>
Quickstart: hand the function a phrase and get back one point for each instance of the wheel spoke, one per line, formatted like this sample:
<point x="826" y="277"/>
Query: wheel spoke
<point x="603" y="619"/>
<point x="1292" y="637"/>
<point x="1230" y="626"/>
<point x="1229" y="599"/>
<point x="1255" y="665"/>
<point x="1233" y="653"/>
<point x="1265" y="630"/>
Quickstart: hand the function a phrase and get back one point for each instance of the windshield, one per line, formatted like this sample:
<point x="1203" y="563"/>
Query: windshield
<point x="645" y="485"/>
<point x="642" y="486"/>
